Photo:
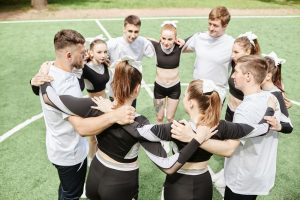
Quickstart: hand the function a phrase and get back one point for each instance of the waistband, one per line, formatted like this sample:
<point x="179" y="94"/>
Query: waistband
<point x="117" y="166"/>
<point x="192" y="172"/>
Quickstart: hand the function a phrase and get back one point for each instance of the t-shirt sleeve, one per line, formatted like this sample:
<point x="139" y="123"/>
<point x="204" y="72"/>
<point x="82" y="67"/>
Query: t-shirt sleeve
<point x="149" y="50"/>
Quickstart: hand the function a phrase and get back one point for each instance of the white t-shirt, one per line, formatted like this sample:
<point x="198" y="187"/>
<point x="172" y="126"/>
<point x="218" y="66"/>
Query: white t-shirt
<point x="65" y="146"/>
<point x="251" y="169"/>
<point x="213" y="57"/>
<point x="119" y="48"/>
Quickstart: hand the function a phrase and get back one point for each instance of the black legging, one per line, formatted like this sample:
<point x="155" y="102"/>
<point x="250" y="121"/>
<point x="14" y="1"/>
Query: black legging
<point x="188" y="187"/>
<point x="104" y="183"/>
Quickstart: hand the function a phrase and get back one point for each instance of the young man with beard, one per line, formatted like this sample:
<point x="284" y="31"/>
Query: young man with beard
<point x="66" y="149"/>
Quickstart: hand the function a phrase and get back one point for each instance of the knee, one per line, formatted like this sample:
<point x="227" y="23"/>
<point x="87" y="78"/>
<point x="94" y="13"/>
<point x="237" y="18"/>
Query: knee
<point x="170" y="118"/>
<point x="159" y="119"/>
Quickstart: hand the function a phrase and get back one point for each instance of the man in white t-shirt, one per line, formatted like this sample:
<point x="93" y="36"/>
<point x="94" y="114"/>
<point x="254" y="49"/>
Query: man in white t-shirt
<point x="66" y="149"/>
<point x="250" y="168"/>
<point x="213" y="50"/>
<point x="131" y="44"/>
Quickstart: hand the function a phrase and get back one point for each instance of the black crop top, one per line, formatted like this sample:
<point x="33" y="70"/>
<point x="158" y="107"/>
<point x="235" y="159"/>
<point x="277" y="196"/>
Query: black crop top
<point x="167" y="61"/>
<point x="97" y="80"/>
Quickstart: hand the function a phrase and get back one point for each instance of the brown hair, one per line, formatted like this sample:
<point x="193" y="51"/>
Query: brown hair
<point x="245" y="43"/>
<point x="209" y="104"/>
<point x="125" y="80"/>
<point x="66" y="37"/>
<point x="256" y="65"/>
<point x="275" y="71"/>
<point x="169" y="27"/>
<point x="220" y="13"/>
<point x="132" y="19"/>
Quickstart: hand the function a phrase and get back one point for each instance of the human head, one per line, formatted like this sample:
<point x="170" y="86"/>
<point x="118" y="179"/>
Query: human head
<point x="218" y="20"/>
<point x="207" y="103"/>
<point x="245" y="44"/>
<point x="126" y="82"/>
<point x="168" y="34"/>
<point x="249" y="70"/>
<point x="98" y="51"/>
<point x="132" y="25"/>
<point x="69" y="45"/>
<point x="274" y="69"/>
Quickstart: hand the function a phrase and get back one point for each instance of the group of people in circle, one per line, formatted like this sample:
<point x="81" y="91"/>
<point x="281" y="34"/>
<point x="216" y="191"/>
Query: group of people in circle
<point x="248" y="137"/>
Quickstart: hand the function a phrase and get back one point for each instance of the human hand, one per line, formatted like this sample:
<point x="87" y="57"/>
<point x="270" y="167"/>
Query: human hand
<point x="204" y="133"/>
<point x="44" y="68"/>
<point x="180" y="42"/>
<point x="182" y="131"/>
<point x="103" y="104"/>
<point x="39" y="79"/>
<point x="124" y="115"/>
<point x="274" y="123"/>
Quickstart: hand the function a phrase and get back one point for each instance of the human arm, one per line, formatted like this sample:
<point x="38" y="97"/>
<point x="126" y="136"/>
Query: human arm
<point x="96" y="125"/>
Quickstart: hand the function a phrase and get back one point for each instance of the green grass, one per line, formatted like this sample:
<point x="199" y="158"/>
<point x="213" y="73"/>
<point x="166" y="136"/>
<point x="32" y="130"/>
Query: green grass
<point x="81" y="4"/>
<point x="25" y="171"/>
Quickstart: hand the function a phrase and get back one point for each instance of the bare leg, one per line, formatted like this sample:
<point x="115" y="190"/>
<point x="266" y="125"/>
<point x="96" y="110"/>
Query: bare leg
<point x="92" y="146"/>
<point x="159" y="105"/>
<point x="171" y="108"/>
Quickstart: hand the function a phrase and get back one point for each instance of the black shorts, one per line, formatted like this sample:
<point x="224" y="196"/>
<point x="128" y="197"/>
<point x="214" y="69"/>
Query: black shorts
<point x="189" y="187"/>
<point x="161" y="92"/>
<point x="106" y="183"/>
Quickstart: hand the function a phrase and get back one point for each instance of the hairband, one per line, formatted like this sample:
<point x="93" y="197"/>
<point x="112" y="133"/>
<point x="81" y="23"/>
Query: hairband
<point x="208" y="86"/>
<point x="172" y="22"/>
<point x="134" y="63"/>
<point x="274" y="57"/>
<point x="89" y="40"/>
<point x="251" y="37"/>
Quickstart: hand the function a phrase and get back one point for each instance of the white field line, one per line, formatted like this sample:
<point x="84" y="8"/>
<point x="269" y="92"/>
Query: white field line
<point x="20" y="126"/>
<point x="143" y="18"/>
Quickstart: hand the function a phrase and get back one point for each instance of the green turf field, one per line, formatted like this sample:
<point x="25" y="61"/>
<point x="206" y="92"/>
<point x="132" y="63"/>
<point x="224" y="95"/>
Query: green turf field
<point x="25" y="172"/>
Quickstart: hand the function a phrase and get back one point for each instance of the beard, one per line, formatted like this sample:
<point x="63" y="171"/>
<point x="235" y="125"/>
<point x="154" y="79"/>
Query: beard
<point x="77" y="65"/>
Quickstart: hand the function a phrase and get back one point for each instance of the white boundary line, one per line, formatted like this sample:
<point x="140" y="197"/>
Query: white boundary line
<point x="19" y="127"/>
<point x="143" y="18"/>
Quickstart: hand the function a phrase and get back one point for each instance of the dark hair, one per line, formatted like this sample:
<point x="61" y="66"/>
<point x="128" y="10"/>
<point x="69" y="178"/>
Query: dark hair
<point x="132" y="19"/>
<point x="254" y="64"/>
<point x="245" y="43"/>
<point x="125" y="80"/>
<point x="275" y="71"/>
<point x="66" y="37"/>
<point x="220" y="13"/>
<point x="209" y="104"/>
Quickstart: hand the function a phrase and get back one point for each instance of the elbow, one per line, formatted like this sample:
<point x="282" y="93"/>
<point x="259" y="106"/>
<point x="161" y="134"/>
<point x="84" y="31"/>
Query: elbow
<point x="228" y="153"/>
<point x="82" y="131"/>
<point x="169" y="171"/>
